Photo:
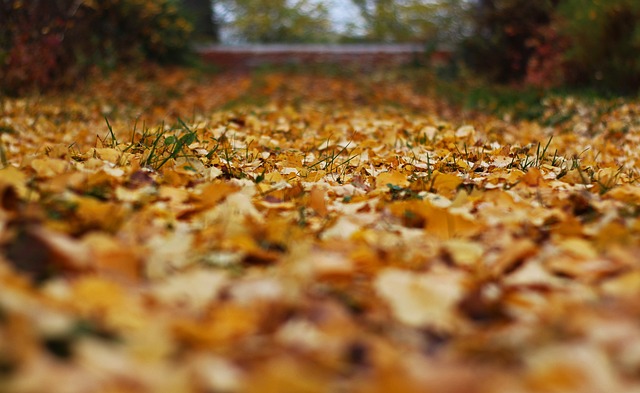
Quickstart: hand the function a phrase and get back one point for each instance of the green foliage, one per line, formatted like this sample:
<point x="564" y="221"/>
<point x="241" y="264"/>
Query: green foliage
<point x="201" y="15"/>
<point x="403" y="21"/>
<point x="521" y="103"/>
<point x="52" y="43"/>
<point x="604" y="41"/>
<point x="279" y="20"/>
<point x="161" y="146"/>
<point x="383" y="20"/>
<point x="471" y="93"/>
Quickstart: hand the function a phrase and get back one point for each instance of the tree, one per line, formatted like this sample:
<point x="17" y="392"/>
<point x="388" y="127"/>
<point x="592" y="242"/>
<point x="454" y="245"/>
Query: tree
<point x="604" y="42"/>
<point x="278" y="20"/>
<point x="502" y="33"/>
<point x="201" y="14"/>
<point x="382" y="20"/>
<point x="400" y="20"/>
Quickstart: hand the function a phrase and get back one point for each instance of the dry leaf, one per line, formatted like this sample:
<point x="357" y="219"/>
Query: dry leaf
<point x="322" y="241"/>
<point x="445" y="183"/>
<point x="393" y="177"/>
<point x="421" y="300"/>
<point x="317" y="201"/>
<point x="192" y="291"/>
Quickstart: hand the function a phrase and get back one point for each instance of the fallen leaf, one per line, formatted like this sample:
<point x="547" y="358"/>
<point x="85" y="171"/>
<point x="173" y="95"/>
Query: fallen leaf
<point x="317" y="201"/>
<point x="421" y="300"/>
<point x="392" y="177"/>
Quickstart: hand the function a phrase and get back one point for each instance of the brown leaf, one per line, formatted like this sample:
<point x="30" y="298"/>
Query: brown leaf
<point x="41" y="253"/>
<point x="8" y="198"/>
<point x="484" y="305"/>
<point x="513" y="257"/>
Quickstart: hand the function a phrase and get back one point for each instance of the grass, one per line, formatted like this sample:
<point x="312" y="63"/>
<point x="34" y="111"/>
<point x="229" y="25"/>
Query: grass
<point x="3" y="151"/>
<point x="329" y="161"/>
<point x="3" y="155"/>
<point x="165" y="144"/>
<point x="463" y="90"/>
<point x="158" y="148"/>
<point x="538" y="159"/>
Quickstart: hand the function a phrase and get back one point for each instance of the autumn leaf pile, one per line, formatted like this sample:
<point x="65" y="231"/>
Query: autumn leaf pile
<point x="296" y="233"/>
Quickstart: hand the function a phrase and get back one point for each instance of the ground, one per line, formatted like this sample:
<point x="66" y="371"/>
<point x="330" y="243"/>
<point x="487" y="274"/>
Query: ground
<point x="171" y="231"/>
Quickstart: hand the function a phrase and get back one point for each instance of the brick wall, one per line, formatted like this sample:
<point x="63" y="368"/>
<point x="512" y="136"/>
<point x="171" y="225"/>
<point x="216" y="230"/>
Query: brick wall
<point x="361" y="56"/>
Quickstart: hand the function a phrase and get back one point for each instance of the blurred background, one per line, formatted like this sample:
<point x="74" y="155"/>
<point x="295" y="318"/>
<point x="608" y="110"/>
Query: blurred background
<point x="543" y="43"/>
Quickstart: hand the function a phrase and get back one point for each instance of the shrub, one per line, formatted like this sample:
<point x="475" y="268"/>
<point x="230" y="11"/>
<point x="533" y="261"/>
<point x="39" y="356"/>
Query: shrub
<point x="546" y="65"/>
<point x="51" y="43"/>
<point x="502" y="32"/>
<point x="604" y="39"/>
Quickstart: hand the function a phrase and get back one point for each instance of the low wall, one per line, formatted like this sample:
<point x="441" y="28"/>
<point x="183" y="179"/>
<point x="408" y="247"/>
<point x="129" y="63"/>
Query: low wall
<point x="366" y="56"/>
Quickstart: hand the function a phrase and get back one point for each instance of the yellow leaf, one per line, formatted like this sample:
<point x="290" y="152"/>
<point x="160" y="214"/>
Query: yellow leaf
<point x="577" y="247"/>
<point x="625" y="193"/>
<point x="211" y="194"/>
<point x="224" y="326"/>
<point x="533" y="177"/>
<point x="112" y="257"/>
<point x="627" y="284"/>
<point x="49" y="167"/>
<point x="12" y="176"/>
<point x="108" y="154"/>
<point x="436" y="221"/>
<point x="273" y="177"/>
<point x="317" y="201"/>
<point x="445" y="183"/>
<point x="421" y="300"/>
<point x="98" y="296"/>
<point x="315" y="176"/>
<point x="392" y="177"/>
<point x="464" y="253"/>
<point x="93" y="212"/>
<point x="514" y="176"/>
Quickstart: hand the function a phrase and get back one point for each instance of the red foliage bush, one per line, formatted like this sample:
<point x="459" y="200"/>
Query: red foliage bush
<point x="546" y="65"/>
<point x="52" y="43"/>
<point x="501" y="44"/>
<point x="32" y="43"/>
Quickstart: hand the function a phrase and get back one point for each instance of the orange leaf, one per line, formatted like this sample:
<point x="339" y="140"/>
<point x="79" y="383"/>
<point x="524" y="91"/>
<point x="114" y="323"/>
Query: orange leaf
<point x="317" y="201"/>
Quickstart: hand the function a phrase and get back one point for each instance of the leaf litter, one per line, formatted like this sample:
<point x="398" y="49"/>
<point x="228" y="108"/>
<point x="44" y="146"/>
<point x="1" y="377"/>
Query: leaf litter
<point x="296" y="233"/>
